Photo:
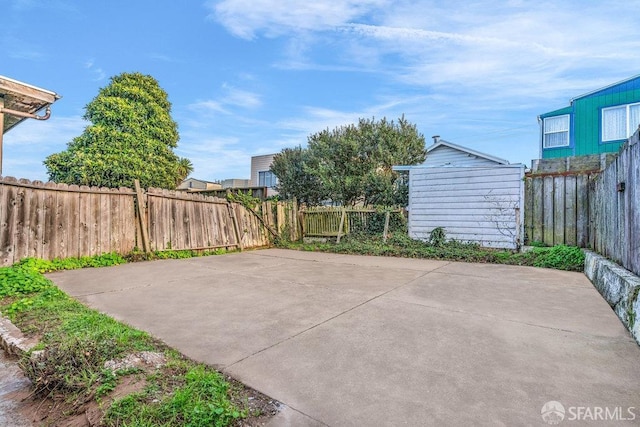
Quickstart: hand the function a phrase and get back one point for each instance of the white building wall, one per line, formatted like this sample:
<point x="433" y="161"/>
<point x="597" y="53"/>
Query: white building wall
<point x="483" y="205"/>
<point x="261" y="164"/>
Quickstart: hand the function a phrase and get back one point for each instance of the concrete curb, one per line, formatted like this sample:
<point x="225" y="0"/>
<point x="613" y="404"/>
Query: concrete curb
<point x="619" y="287"/>
<point x="12" y="340"/>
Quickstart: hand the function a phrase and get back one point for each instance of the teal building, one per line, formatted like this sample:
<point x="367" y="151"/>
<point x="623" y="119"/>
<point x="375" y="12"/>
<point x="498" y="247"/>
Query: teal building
<point x="593" y="123"/>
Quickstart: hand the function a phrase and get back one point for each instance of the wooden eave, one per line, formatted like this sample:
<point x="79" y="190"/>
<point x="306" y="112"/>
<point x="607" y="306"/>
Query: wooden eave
<point x="23" y="97"/>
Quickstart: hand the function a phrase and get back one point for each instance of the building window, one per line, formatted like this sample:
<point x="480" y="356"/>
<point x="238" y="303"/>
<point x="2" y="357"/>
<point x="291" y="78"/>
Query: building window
<point x="620" y="122"/>
<point x="267" y="179"/>
<point x="556" y="131"/>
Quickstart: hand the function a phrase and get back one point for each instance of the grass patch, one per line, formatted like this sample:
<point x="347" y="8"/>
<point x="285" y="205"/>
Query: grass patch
<point x="75" y="342"/>
<point x="174" y="254"/>
<point x="559" y="257"/>
<point x="199" y="397"/>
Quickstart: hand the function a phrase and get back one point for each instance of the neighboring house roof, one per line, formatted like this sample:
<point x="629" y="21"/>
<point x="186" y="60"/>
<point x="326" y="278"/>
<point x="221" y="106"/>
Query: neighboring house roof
<point x="602" y="89"/>
<point x="447" y="154"/>
<point x="199" y="180"/>
<point x="200" y="184"/>
<point x="630" y="83"/>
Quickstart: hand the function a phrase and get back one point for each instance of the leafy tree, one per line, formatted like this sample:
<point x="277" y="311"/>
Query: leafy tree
<point x="293" y="178"/>
<point x="354" y="162"/>
<point x="131" y="135"/>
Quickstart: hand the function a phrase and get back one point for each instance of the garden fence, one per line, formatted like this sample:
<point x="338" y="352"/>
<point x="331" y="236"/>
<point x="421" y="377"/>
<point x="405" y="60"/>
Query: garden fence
<point x="340" y="221"/>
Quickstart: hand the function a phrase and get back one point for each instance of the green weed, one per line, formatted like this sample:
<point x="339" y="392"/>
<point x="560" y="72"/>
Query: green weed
<point x="401" y="245"/>
<point x="76" y="341"/>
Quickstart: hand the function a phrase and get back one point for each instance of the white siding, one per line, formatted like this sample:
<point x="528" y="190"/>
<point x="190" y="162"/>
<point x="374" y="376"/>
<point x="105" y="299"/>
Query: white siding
<point x="444" y="156"/>
<point x="472" y="204"/>
<point x="261" y="164"/>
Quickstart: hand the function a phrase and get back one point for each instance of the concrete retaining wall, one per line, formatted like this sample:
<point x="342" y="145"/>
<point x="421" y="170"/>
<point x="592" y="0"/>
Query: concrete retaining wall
<point x="619" y="287"/>
<point x="12" y="340"/>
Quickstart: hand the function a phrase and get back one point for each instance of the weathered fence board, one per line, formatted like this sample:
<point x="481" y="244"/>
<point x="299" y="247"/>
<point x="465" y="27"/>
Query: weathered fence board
<point x="323" y="222"/>
<point x="596" y="210"/>
<point x="178" y="220"/>
<point x="559" y="213"/>
<point x="557" y="209"/>
<point x="582" y="210"/>
<point x="58" y="221"/>
<point x="615" y="227"/>
<point x="339" y="221"/>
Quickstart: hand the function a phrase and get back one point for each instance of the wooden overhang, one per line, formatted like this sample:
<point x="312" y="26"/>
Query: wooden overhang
<point x="22" y="97"/>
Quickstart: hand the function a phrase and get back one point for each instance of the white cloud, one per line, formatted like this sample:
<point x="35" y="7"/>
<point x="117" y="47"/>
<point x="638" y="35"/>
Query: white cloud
<point x="19" y="48"/>
<point x="246" y="18"/>
<point x="207" y="107"/>
<point x="241" y="98"/>
<point x="513" y="46"/>
<point x="161" y="57"/>
<point x="215" y="158"/>
<point x="54" y="132"/>
<point x="97" y="72"/>
<point x="231" y="97"/>
<point x="28" y="144"/>
<point x="477" y="72"/>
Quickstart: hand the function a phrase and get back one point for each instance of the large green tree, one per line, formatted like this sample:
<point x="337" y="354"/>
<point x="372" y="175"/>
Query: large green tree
<point x="354" y="162"/>
<point x="131" y="136"/>
<point x="294" y="180"/>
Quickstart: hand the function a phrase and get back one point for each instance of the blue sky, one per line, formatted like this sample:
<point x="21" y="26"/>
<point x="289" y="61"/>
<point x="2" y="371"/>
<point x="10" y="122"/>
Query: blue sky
<point x="249" y="77"/>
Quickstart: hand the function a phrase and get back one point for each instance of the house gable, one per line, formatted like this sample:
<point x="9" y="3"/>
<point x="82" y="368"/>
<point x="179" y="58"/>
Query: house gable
<point x="586" y="120"/>
<point x="448" y="154"/>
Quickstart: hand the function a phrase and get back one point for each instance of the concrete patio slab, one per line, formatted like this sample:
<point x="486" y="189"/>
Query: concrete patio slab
<point x="347" y="340"/>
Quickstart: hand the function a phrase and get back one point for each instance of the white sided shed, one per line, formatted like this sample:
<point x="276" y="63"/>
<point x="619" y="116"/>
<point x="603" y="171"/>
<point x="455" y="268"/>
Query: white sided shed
<point x="475" y="197"/>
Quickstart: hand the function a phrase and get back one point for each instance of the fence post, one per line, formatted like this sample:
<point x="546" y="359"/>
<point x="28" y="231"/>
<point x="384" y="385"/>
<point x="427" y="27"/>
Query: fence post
<point x="301" y="220"/>
<point x="280" y="218"/>
<point x="236" y="229"/>
<point x="386" y="226"/>
<point x="340" y="228"/>
<point x="141" y="207"/>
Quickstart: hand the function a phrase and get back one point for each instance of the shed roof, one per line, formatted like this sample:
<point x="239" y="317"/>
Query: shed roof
<point x="443" y="143"/>
<point x="23" y="97"/>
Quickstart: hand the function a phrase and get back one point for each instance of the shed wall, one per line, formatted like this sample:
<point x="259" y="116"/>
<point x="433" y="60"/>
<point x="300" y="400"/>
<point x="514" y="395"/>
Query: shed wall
<point x="473" y="204"/>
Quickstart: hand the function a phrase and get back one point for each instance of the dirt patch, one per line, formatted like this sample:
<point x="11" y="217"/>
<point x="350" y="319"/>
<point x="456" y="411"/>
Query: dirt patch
<point x="261" y="408"/>
<point x="56" y="412"/>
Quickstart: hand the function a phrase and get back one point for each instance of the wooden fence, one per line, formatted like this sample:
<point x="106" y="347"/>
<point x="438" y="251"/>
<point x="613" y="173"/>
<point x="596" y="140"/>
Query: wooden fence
<point x="338" y="221"/>
<point x="598" y="210"/>
<point x="58" y="221"/>
<point x="324" y="222"/>
<point x="557" y="209"/>
<point x="178" y="220"/>
<point x="615" y="208"/>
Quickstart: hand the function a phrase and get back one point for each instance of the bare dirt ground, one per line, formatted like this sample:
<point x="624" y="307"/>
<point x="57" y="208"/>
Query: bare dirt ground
<point x="20" y="408"/>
